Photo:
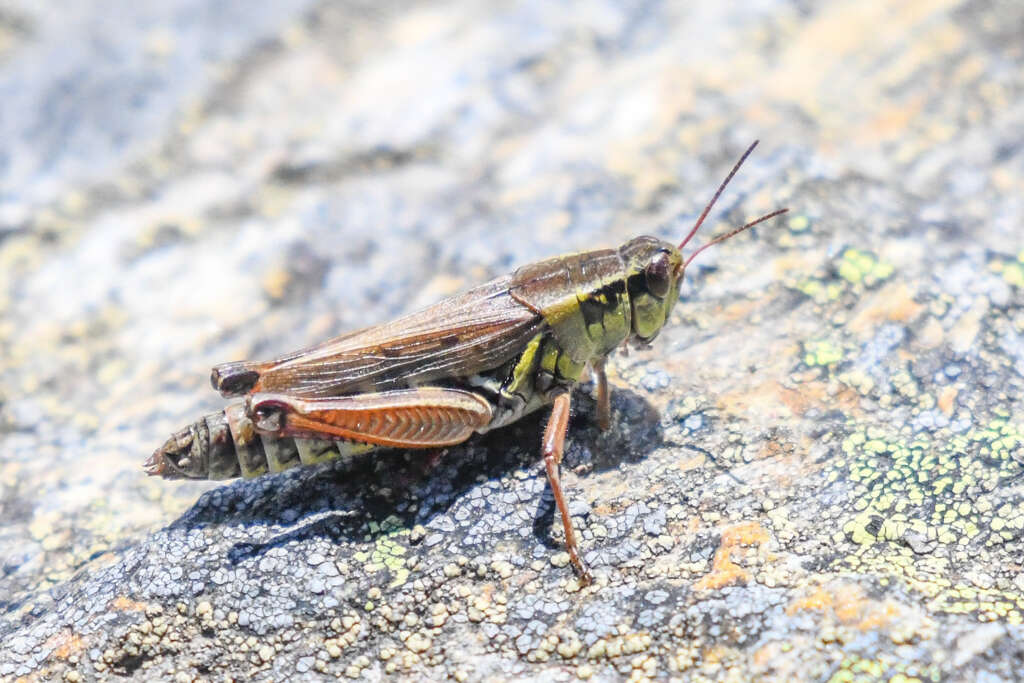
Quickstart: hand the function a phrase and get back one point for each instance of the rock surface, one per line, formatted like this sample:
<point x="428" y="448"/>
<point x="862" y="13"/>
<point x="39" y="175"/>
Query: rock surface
<point x="817" y="472"/>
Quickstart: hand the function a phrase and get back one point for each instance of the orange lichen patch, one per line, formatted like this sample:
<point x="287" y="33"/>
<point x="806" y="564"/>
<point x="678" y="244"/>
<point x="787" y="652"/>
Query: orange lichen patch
<point x="894" y="121"/>
<point x="847" y="400"/>
<point x="796" y="401"/>
<point x="686" y="527"/>
<point x="774" y="448"/>
<point x="878" y="617"/>
<point x="790" y="465"/>
<point x="725" y="572"/>
<point x="835" y="38"/>
<point x="931" y="334"/>
<point x="607" y="509"/>
<point x="903" y="308"/>
<point x="771" y="654"/>
<point x="892" y="303"/>
<point x="803" y="261"/>
<point x="764" y="399"/>
<point x="747" y="533"/>
<point x="819" y="600"/>
<point x="693" y="463"/>
<point x="127" y="604"/>
<point x="850" y="602"/>
<point x="65" y="643"/>
<point x="765" y="654"/>
<point x="739" y="309"/>
<point x="275" y="282"/>
<point x="717" y="654"/>
<point x="846" y="601"/>
<point x="947" y="400"/>
<point x="849" y="605"/>
<point x="807" y="395"/>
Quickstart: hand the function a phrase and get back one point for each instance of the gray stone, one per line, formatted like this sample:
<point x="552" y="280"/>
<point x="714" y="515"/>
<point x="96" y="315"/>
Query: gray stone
<point x="813" y="472"/>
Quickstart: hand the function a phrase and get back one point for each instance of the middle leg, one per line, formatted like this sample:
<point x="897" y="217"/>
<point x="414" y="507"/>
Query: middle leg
<point x="553" y="447"/>
<point x="604" y="403"/>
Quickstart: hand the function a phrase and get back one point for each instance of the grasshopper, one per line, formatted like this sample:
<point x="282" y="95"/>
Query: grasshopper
<point x="468" y="364"/>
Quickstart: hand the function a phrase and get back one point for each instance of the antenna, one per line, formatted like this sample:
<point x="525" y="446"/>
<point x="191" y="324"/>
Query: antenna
<point x="733" y="233"/>
<point x="721" y="188"/>
<point x="707" y="209"/>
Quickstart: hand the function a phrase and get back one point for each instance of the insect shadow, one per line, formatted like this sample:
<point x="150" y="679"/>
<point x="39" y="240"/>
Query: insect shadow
<point x="349" y="500"/>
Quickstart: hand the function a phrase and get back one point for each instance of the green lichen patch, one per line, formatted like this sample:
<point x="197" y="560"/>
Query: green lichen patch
<point x="821" y="352"/>
<point x="858" y="669"/>
<point x="922" y="505"/>
<point x="387" y="553"/>
<point x="822" y="291"/>
<point x="859" y="266"/>
<point x="1011" y="270"/>
<point x="799" y="223"/>
<point x="847" y="275"/>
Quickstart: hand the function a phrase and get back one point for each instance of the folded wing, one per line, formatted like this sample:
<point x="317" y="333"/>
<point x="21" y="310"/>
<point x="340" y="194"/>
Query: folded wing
<point x="460" y="336"/>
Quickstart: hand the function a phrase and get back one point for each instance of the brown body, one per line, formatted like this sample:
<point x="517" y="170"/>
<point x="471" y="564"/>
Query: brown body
<point x="468" y="364"/>
<point x="471" y="363"/>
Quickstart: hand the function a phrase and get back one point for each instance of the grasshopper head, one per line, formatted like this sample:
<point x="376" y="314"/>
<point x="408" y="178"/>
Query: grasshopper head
<point x="654" y="271"/>
<point x="655" y="268"/>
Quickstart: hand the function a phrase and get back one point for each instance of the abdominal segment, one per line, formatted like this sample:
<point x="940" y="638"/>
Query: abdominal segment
<point x="270" y="454"/>
<point x="257" y="453"/>
<point x="225" y="444"/>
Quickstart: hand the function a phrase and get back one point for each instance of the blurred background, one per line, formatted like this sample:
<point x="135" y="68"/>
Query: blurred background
<point x="187" y="182"/>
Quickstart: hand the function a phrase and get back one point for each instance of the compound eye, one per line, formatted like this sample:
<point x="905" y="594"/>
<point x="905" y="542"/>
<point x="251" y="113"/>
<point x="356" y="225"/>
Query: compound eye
<point x="657" y="274"/>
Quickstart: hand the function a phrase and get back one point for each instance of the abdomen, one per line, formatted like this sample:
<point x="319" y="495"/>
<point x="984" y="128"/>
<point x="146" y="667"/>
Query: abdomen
<point x="225" y="444"/>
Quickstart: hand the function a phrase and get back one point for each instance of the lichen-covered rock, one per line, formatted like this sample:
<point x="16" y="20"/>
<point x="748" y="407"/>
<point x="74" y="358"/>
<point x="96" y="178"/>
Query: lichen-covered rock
<point x="814" y="473"/>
